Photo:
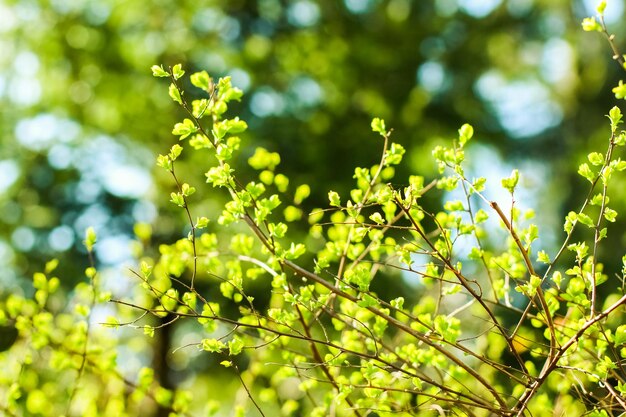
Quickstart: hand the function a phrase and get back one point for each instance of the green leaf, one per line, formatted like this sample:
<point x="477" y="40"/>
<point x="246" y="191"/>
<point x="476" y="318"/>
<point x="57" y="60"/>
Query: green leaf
<point x="163" y="396"/>
<point x="278" y="229"/>
<point x="475" y="254"/>
<point x="270" y="203"/>
<point x="590" y="24"/>
<point x="397" y="303"/>
<point x="535" y="281"/>
<point x="158" y="71"/>
<point x="263" y="159"/>
<point x="585" y="171"/>
<point x="111" y="321"/>
<point x="596" y="158"/>
<point x="543" y="257"/>
<point x="362" y="175"/>
<point x="177" y="71"/>
<point x="511" y="182"/>
<point x="604" y="366"/>
<point x="199" y="107"/>
<point x="335" y="200"/>
<point x="448" y="327"/>
<point x="148" y="330"/>
<point x="351" y="209"/>
<point x="465" y="134"/>
<point x="223" y="152"/>
<point x="377" y="218"/>
<point x="146" y="269"/>
<point x="213" y="345"/>
<point x="481" y="216"/>
<point x="455" y="205"/>
<point x="184" y="129"/>
<point x="581" y="250"/>
<point x="620" y="90"/>
<point x="235" y="346"/>
<point x="175" y="94"/>
<point x="393" y="156"/>
<point x="584" y="219"/>
<point x="177" y="199"/>
<point x="228" y="126"/>
<point x="202" y="222"/>
<point x="255" y="190"/>
<point x="51" y="265"/>
<point x="570" y="220"/>
<point x="39" y="281"/>
<point x="295" y="251"/>
<point x="282" y="182"/>
<point x="201" y="80"/>
<point x="302" y="192"/>
<point x="530" y="234"/>
<point x="226" y="91"/>
<point x="267" y="177"/>
<point x="169" y="300"/>
<point x="90" y="239"/>
<point x="479" y="184"/>
<point x="597" y="200"/>
<point x="187" y="190"/>
<point x="360" y="275"/>
<point x="615" y="116"/>
<point x="175" y="152"/>
<point x="316" y="215"/>
<point x="610" y="214"/>
<point x="367" y="301"/>
<point x="620" y="165"/>
<point x="219" y="176"/>
<point x="378" y="125"/>
<point x="292" y="213"/>
<point x="164" y="162"/>
<point x="81" y="309"/>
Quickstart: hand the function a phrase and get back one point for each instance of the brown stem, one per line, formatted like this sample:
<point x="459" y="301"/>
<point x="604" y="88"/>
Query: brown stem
<point x="531" y="271"/>
<point x="318" y="358"/>
<point x="552" y="363"/>
<point x="463" y="281"/>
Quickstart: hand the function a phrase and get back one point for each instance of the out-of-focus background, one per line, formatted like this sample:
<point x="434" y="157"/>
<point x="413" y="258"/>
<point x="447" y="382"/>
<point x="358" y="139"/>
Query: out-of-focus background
<point x="82" y="119"/>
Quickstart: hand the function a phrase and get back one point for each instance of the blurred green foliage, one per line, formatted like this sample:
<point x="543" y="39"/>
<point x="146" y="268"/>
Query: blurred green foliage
<point x="81" y="112"/>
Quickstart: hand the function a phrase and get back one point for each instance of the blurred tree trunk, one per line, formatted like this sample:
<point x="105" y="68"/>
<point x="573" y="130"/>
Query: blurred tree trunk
<point x="159" y="361"/>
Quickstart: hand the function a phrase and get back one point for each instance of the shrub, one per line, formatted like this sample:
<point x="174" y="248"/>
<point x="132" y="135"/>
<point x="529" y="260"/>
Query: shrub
<point x="306" y="325"/>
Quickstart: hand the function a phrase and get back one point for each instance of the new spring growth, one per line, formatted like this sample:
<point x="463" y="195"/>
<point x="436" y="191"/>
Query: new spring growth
<point x="590" y="24"/>
<point x="90" y="239"/>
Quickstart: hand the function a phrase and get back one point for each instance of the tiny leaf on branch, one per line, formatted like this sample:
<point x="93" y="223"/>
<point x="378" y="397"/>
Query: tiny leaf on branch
<point x="334" y="199"/>
<point x="178" y="71"/>
<point x="596" y="158"/>
<point x="175" y="94"/>
<point x="184" y="129"/>
<point x="158" y="71"/>
<point x="378" y="125"/>
<point x="466" y="132"/>
<point x="511" y="182"/>
<point x="590" y="24"/>
<point x="620" y="90"/>
<point x="615" y="116"/>
<point x="586" y="172"/>
<point x="177" y="199"/>
<point x="90" y="239"/>
<point x="201" y="80"/>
